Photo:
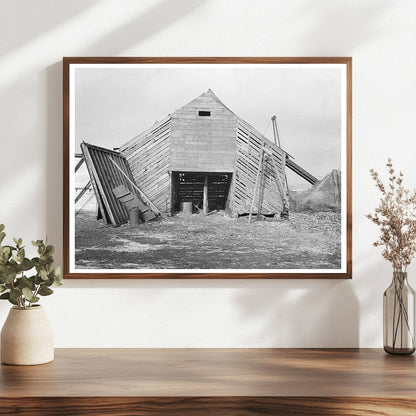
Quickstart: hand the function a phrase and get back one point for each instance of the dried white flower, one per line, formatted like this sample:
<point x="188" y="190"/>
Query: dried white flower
<point x="396" y="217"/>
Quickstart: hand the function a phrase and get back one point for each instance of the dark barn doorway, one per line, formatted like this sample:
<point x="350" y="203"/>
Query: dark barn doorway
<point x="206" y="191"/>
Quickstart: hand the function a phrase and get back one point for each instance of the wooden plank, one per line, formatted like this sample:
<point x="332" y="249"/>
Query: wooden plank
<point x="120" y="215"/>
<point x="130" y="201"/>
<point x="205" y="198"/>
<point x="203" y="143"/>
<point x="140" y="139"/>
<point x="102" y="149"/>
<point x="155" y="161"/>
<point x="245" y="128"/>
<point x="301" y="172"/>
<point x="259" y="170"/>
<point x="79" y="164"/>
<point x="280" y="186"/>
<point x="156" y="141"/>
<point x="85" y="189"/>
<point x="316" y="381"/>
<point x="244" y="186"/>
<point x="142" y="194"/>
<point x="96" y="183"/>
<point x="150" y="166"/>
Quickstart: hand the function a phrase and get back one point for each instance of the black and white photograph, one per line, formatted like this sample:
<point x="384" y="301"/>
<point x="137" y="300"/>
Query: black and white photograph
<point x="209" y="168"/>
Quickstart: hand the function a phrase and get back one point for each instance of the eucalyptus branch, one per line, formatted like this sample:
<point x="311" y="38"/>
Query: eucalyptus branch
<point x="15" y="286"/>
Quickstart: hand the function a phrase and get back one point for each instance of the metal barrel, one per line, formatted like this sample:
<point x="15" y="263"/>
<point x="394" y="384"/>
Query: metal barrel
<point x="134" y="216"/>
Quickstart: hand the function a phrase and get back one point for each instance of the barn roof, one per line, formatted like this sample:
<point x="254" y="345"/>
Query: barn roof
<point x="157" y="124"/>
<point x="145" y="134"/>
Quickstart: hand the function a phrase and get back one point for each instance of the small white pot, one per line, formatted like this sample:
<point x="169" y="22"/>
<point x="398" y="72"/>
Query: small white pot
<point x="27" y="337"/>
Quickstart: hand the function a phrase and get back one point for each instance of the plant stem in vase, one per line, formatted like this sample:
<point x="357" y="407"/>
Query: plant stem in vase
<point x="399" y="316"/>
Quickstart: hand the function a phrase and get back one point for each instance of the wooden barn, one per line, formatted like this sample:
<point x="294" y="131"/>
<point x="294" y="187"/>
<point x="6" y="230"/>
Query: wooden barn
<point x="205" y="154"/>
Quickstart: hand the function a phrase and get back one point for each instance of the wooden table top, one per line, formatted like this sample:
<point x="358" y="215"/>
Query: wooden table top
<point x="214" y="372"/>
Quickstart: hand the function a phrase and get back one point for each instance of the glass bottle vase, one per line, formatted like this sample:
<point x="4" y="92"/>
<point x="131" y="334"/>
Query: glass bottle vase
<point x="399" y="316"/>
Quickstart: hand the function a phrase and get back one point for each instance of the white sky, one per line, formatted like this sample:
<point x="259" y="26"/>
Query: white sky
<point x="112" y="105"/>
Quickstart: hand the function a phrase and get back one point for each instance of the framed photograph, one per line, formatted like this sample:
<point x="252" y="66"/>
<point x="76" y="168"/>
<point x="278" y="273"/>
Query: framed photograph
<point x="207" y="168"/>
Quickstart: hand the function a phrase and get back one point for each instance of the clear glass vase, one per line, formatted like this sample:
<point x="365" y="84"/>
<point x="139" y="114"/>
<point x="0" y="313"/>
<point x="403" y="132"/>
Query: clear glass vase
<point x="399" y="316"/>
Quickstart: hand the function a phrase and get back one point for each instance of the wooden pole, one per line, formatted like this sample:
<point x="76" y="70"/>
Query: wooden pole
<point x="279" y="185"/>
<point x="261" y="189"/>
<point x="85" y="189"/>
<point x="255" y="184"/>
<point x="80" y="162"/>
<point x="205" y="202"/>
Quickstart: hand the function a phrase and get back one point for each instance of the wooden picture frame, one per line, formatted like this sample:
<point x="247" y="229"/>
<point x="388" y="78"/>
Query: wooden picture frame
<point x="226" y="167"/>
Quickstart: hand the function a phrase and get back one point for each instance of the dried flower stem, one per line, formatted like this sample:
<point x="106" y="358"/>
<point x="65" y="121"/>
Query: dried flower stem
<point x="396" y="217"/>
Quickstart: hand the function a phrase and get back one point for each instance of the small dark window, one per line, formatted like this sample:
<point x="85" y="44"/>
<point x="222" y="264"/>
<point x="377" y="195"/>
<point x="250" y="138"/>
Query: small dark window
<point x="204" y="113"/>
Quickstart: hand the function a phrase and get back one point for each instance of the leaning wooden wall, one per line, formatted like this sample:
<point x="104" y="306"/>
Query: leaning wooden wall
<point x="248" y="151"/>
<point x="148" y="158"/>
<point x="105" y="176"/>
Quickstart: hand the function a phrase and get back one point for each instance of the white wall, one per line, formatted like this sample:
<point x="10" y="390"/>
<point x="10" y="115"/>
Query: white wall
<point x="380" y="35"/>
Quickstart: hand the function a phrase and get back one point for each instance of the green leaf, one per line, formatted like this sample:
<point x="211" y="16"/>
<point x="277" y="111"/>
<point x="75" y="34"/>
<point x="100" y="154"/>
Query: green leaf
<point x="21" y="255"/>
<point x="58" y="276"/>
<point x="43" y="274"/>
<point x="2" y="236"/>
<point x="9" y="277"/>
<point x="28" y="294"/>
<point x="2" y="227"/>
<point x="26" y="264"/>
<point x="13" y="302"/>
<point x="15" y="294"/>
<point x="5" y="295"/>
<point x="48" y="282"/>
<point x="49" y="250"/>
<point x="4" y="255"/>
<point x="5" y="250"/>
<point x="38" y="280"/>
<point x="24" y="282"/>
<point x="48" y="261"/>
<point x="37" y="243"/>
<point x="35" y="261"/>
<point x="45" y="291"/>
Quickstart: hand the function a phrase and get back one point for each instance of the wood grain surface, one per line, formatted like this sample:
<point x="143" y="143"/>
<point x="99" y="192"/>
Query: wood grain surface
<point x="212" y="381"/>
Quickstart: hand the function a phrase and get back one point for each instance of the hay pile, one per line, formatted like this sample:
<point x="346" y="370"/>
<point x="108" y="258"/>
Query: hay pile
<point x="324" y="196"/>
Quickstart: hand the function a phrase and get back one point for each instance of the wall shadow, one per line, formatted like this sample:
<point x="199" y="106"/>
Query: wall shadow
<point x="44" y="16"/>
<point x="335" y="17"/>
<point x="301" y="313"/>
<point x="155" y="19"/>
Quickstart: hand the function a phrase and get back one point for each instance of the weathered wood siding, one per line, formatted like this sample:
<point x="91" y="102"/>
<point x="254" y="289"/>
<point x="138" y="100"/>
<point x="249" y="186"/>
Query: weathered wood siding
<point x="248" y="151"/>
<point x="220" y="143"/>
<point x="105" y="176"/>
<point x="148" y="157"/>
<point x="203" y="143"/>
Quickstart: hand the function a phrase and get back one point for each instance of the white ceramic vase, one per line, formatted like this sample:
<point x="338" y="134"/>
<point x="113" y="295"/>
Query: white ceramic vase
<point x="27" y="337"/>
